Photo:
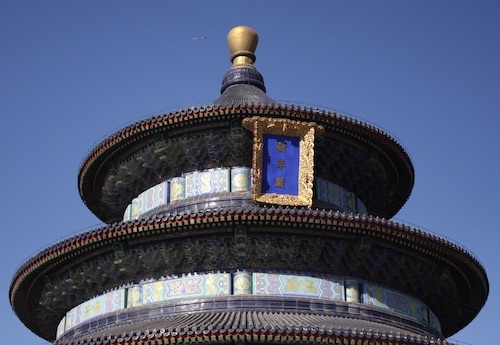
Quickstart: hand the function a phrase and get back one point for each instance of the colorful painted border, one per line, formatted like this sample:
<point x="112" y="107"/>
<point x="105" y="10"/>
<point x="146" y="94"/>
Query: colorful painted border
<point x="338" y="288"/>
<point x="233" y="180"/>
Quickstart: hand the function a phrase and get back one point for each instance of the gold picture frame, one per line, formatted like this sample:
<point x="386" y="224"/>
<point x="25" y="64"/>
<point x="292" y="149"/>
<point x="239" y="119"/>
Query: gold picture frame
<point x="306" y="133"/>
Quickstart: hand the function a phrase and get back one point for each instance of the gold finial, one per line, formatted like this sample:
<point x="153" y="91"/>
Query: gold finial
<point x="242" y="42"/>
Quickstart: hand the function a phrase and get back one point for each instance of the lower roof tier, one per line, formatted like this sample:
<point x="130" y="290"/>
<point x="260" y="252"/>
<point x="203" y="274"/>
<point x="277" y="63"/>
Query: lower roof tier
<point x="360" y="157"/>
<point x="444" y="276"/>
<point x="250" y="319"/>
<point x="290" y="290"/>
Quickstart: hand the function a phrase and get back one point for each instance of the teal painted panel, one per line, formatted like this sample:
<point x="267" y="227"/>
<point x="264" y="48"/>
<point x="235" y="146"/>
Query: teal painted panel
<point x="298" y="286"/>
<point x="210" y="181"/>
<point x="395" y="301"/>
<point x="241" y="179"/>
<point x="187" y="287"/>
<point x="177" y="189"/>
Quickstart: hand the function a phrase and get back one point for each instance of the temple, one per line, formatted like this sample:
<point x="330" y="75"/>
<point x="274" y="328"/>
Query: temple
<point x="248" y="221"/>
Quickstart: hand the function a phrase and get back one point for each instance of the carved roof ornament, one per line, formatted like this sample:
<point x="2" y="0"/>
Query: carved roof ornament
<point x="242" y="84"/>
<point x="242" y="42"/>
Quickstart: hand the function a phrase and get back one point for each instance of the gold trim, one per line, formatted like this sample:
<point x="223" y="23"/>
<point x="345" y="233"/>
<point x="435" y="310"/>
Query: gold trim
<point x="306" y="131"/>
<point x="242" y="42"/>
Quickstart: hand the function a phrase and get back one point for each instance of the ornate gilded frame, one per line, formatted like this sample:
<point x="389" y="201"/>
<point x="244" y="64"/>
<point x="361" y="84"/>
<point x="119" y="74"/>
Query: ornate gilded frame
<point x="306" y="131"/>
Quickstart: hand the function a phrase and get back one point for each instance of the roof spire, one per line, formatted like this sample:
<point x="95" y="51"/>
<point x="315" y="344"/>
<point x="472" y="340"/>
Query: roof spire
<point x="242" y="42"/>
<point x="242" y="84"/>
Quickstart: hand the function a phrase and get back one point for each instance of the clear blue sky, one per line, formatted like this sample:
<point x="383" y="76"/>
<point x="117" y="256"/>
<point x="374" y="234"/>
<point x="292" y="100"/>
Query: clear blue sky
<point x="426" y="71"/>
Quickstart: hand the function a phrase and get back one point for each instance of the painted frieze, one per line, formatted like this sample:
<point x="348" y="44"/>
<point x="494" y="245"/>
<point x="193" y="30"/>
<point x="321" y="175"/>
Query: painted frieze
<point x="177" y="189"/>
<point x="153" y="197"/>
<point x="214" y="284"/>
<point x="298" y="286"/>
<point x="389" y="299"/>
<point x="241" y="179"/>
<point x="100" y="305"/>
<point x="207" y="182"/>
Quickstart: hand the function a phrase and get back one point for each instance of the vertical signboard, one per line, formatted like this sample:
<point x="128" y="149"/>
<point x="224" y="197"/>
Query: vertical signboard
<point x="283" y="160"/>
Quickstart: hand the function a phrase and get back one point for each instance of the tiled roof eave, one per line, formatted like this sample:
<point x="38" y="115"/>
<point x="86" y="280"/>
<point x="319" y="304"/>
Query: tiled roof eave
<point x="212" y="112"/>
<point x="304" y="337"/>
<point x="386" y="230"/>
<point x="252" y="327"/>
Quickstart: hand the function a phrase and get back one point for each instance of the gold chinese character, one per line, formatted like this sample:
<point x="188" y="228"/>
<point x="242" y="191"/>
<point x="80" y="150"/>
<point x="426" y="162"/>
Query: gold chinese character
<point x="280" y="182"/>
<point x="281" y="147"/>
<point x="281" y="164"/>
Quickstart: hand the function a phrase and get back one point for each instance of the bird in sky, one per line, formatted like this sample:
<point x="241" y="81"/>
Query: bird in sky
<point x="199" y="38"/>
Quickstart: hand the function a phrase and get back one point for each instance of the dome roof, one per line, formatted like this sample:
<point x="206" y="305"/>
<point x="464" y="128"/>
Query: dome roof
<point x="243" y="84"/>
<point x="243" y="87"/>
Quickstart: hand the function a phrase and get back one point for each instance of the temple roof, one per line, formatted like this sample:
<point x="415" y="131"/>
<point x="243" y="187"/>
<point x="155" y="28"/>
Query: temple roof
<point x="243" y="95"/>
<point x="464" y="272"/>
<point x="357" y="155"/>
<point x="243" y="84"/>
<point x="173" y="324"/>
<point x="353" y="154"/>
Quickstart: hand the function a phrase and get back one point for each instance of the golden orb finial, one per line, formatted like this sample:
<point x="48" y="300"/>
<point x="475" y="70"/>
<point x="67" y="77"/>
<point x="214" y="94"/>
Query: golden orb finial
<point x="242" y="42"/>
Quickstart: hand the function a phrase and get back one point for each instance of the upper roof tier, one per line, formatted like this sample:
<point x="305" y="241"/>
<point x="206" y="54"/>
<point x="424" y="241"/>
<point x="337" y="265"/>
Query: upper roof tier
<point x="352" y="154"/>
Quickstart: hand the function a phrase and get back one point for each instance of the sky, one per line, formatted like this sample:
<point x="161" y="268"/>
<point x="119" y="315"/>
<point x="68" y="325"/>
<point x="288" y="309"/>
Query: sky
<point x="427" y="72"/>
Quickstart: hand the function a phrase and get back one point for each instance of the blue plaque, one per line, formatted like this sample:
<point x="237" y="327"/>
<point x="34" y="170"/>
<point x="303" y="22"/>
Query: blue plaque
<point x="280" y="168"/>
<point x="283" y="160"/>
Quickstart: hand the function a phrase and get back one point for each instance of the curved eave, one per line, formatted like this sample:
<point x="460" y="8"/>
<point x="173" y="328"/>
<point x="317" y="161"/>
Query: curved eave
<point x="357" y="129"/>
<point x="91" y="243"/>
<point x="276" y="324"/>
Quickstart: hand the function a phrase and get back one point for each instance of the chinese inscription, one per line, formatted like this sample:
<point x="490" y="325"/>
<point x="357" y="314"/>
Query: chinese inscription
<point x="282" y="164"/>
